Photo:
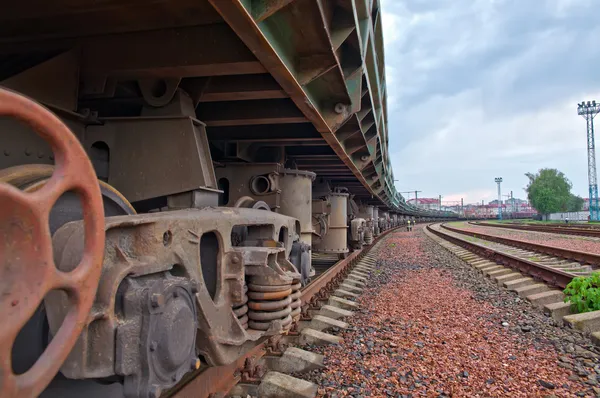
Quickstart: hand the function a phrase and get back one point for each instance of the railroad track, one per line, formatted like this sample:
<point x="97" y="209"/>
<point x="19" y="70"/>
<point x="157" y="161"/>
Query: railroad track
<point x="519" y="267"/>
<point x="556" y="268"/>
<point x="251" y="368"/>
<point x="569" y="259"/>
<point x="564" y="230"/>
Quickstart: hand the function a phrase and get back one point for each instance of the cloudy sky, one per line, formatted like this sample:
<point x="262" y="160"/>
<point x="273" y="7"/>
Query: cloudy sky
<point x="484" y="88"/>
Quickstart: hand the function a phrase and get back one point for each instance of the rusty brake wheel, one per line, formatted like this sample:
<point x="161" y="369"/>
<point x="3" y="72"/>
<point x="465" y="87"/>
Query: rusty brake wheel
<point x="27" y="269"/>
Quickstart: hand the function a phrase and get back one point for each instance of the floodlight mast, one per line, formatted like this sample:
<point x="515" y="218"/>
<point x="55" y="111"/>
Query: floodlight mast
<point x="589" y="111"/>
<point x="499" y="181"/>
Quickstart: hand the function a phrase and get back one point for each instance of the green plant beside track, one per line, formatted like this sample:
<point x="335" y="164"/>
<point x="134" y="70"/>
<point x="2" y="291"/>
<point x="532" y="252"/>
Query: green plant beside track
<point x="583" y="292"/>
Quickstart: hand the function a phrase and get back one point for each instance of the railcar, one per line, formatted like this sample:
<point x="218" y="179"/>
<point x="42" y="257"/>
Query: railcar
<point x="168" y="171"/>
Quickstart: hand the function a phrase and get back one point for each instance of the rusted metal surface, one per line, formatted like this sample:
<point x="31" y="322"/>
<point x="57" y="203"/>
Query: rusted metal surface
<point x="335" y="237"/>
<point x="145" y="157"/>
<point x="547" y="274"/>
<point x="317" y="289"/>
<point x="582" y="257"/>
<point x="27" y="269"/>
<point x="565" y="230"/>
<point x="218" y="379"/>
<point x="229" y="260"/>
<point x="221" y="379"/>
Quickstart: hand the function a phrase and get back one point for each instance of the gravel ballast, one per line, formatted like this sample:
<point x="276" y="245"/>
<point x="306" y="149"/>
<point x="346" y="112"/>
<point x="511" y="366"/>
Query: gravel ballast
<point x="429" y="325"/>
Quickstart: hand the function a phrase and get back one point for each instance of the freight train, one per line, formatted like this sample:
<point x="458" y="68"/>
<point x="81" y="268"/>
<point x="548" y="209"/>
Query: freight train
<point x="168" y="170"/>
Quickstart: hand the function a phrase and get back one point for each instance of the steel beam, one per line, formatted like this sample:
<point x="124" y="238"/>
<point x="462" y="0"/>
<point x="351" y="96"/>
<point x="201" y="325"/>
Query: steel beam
<point x="239" y="113"/>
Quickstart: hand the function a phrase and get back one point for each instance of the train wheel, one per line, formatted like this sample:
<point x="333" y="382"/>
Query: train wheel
<point x="27" y="269"/>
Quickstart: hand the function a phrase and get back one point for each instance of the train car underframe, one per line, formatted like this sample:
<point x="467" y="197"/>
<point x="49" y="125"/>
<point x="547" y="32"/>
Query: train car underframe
<point x="184" y="281"/>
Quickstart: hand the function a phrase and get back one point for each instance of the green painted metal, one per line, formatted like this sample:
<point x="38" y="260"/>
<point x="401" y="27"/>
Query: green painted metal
<point x="333" y="51"/>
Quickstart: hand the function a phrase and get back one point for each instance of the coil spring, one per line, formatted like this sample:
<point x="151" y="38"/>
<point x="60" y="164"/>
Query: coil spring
<point x="296" y="304"/>
<point x="241" y="311"/>
<point x="269" y="303"/>
<point x="368" y="236"/>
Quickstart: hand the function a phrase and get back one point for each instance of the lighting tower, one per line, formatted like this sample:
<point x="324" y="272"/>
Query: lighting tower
<point x="499" y="181"/>
<point x="589" y="111"/>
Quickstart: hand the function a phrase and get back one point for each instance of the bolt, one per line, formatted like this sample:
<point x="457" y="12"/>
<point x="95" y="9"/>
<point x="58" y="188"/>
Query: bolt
<point x="235" y="259"/>
<point x="364" y="158"/>
<point x="153" y="346"/>
<point x="157" y="300"/>
<point x="339" y="108"/>
<point x="154" y="392"/>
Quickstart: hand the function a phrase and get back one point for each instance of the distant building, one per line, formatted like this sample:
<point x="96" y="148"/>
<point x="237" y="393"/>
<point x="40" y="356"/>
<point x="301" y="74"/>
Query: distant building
<point x="510" y="208"/>
<point x="425" y="203"/>
<point x="515" y="201"/>
<point x="520" y="208"/>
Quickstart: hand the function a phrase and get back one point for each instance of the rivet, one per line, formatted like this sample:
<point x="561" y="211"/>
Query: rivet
<point x="157" y="300"/>
<point x="153" y="346"/>
<point x="27" y="152"/>
<point x="235" y="259"/>
<point x="175" y="294"/>
<point x="6" y="152"/>
<point x="40" y="155"/>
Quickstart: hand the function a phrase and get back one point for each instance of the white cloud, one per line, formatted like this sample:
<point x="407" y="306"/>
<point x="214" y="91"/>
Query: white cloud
<point x="487" y="89"/>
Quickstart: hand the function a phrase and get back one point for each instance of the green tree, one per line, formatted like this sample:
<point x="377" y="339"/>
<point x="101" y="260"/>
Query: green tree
<point x="575" y="203"/>
<point x="549" y="191"/>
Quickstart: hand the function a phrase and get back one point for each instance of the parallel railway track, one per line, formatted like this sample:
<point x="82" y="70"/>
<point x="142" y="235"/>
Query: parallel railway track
<point x="566" y="254"/>
<point x="556" y="267"/>
<point x="564" y="229"/>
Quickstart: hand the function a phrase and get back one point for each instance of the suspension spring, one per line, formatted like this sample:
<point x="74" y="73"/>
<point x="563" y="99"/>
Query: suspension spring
<point x="241" y="311"/>
<point x="296" y="303"/>
<point x="268" y="303"/>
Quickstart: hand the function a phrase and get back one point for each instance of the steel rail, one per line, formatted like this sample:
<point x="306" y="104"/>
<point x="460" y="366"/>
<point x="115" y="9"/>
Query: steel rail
<point x="564" y="230"/>
<point x="216" y="381"/>
<point x="579" y="256"/>
<point x="544" y="273"/>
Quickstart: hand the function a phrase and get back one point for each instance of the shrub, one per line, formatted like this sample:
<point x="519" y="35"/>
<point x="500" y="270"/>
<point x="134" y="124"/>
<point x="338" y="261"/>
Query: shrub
<point x="584" y="293"/>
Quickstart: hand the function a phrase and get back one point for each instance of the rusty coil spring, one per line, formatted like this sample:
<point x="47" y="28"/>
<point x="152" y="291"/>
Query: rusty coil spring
<point x="241" y="311"/>
<point x="269" y="303"/>
<point x="296" y="302"/>
<point x="368" y="236"/>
